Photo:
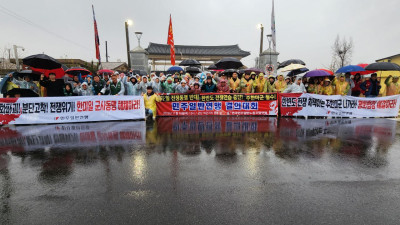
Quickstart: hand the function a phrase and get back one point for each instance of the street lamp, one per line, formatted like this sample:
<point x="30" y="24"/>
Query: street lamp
<point x="16" y="55"/>
<point x="138" y="36"/>
<point x="261" y="27"/>
<point x="127" y="24"/>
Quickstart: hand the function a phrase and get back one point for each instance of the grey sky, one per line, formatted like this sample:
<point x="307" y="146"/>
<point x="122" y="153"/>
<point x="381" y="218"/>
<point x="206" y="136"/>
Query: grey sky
<point x="305" y="29"/>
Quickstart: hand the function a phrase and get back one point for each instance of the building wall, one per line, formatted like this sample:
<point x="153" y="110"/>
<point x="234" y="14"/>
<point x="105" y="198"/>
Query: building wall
<point x="384" y="74"/>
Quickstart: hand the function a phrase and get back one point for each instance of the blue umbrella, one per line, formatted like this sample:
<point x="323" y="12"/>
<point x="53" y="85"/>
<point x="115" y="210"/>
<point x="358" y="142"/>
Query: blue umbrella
<point x="350" y="68"/>
<point x="175" y="69"/>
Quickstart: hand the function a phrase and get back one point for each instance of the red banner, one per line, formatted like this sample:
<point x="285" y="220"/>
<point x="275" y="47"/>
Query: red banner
<point x="218" y="105"/>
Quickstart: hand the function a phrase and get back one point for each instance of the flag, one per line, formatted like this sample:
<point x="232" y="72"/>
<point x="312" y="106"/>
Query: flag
<point x="170" y="41"/>
<point x="273" y="30"/>
<point x="96" y="37"/>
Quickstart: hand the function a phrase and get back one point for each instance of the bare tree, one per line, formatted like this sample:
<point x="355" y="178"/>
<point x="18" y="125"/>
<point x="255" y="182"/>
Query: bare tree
<point x="342" y="50"/>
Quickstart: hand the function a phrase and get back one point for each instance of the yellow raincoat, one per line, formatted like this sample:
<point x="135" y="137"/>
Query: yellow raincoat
<point x="341" y="88"/>
<point x="327" y="90"/>
<point x="246" y="85"/>
<point x="280" y="86"/>
<point x="392" y="88"/>
<point x="234" y="85"/>
<point x="259" y="83"/>
<point x="150" y="103"/>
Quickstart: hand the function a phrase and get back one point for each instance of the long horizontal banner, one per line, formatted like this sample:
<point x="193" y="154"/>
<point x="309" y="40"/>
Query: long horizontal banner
<point x="72" y="136"/>
<point x="218" y="105"/>
<point x="338" y="106"/>
<point x="70" y="109"/>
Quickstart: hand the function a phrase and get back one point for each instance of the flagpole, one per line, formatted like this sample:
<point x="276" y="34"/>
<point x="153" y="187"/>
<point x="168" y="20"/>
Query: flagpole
<point x="96" y="39"/>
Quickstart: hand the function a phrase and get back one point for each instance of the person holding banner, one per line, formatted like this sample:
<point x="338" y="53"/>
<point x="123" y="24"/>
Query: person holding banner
<point x="115" y="87"/>
<point x="371" y="87"/>
<point x="27" y="83"/>
<point x="131" y="86"/>
<point x="169" y="86"/>
<point x="83" y="90"/>
<point x="392" y="85"/>
<point x="296" y="87"/>
<point x="183" y="88"/>
<point x="280" y="84"/>
<point x="209" y="86"/>
<point x="150" y="102"/>
<point x="327" y="89"/>
<point x="259" y="83"/>
<point x="142" y="87"/>
<point x="222" y="87"/>
<point x="98" y="86"/>
<point x="195" y="89"/>
<point x="342" y="87"/>
<point x="246" y="84"/>
<point x="234" y="83"/>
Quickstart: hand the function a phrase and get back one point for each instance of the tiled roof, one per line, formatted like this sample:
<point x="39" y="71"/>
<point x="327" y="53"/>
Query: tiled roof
<point x="194" y="50"/>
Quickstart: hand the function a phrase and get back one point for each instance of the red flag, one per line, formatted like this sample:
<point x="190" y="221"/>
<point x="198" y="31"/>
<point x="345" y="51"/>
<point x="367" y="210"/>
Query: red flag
<point x="96" y="37"/>
<point x="170" y="41"/>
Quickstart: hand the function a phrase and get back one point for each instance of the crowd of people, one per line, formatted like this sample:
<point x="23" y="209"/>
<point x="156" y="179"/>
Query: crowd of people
<point x="150" y="86"/>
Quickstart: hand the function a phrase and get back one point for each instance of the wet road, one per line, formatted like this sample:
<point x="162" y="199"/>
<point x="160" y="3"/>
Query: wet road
<point x="222" y="170"/>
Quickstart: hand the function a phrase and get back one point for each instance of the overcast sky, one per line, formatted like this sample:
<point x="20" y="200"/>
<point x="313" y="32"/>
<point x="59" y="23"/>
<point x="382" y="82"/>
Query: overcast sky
<point x="306" y="29"/>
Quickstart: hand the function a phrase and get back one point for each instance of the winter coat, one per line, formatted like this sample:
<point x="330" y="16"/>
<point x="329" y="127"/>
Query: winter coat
<point x="208" y="88"/>
<point x="54" y="88"/>
<point x="368" y="86"/>
<point x="99" y="87"/>
<point x="116" y="89"/>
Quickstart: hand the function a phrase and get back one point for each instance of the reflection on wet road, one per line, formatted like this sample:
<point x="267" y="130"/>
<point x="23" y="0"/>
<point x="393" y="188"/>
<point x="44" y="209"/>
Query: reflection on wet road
<point x="215" y="170"/>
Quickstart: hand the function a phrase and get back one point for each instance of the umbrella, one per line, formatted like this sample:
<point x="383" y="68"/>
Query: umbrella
<point x="212" y="67"/>
<point x="297" y="72"/>
<point x="175" y="69"/>
<point x="363" y="72"/>
<point x="105" y="71"/>
<point x="190" y="62"/>
<point x="229" y="63"/>
<point x="59" y="72"/>
<point x="255" y="70"/>
<point x="350" y="68"/>
<point x="41" y="61"/>
<point x="34" y="75"/>
<point x="78" y="70"/>
<point x="330" y="72"/>
<point x="193" y="70"/>
<point x="318" y="73"/>
<point x="383" y="66"/>
<point x="3" y="84"/>
<point x="292" y="67"/>
<point x="291" y="61"/>
<point x="22" y="92"/>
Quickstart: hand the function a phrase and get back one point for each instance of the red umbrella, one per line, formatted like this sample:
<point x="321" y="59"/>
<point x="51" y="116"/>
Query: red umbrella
<point x="105" y="71"/>
<point x="78" y="70"/>
<point x="59" y="72"/>
<point x="330" y="72"/>
<point x="363" y="65"/>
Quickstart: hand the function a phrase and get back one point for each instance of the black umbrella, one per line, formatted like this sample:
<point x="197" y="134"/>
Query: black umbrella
<point x="212" y="67"/>
<point x="34" y="75"/>
<point x="383" y="66"/>
<point x="78" y="70"/>
<point x="190" y="62"/>
<point x="193" y="70"/>
<point x="229" y="63"/>
<point x="41" y="61"/>
<point x="22" y="92"/>
<point x="296" y="72"/>
<point x="291" y="61"/>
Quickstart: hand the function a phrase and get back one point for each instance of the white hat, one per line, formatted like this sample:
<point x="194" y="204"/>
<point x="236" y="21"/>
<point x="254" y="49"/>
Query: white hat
<point x="84" y="83"/>
<point x="116" y="73"/>
<point x="183" y="82"/>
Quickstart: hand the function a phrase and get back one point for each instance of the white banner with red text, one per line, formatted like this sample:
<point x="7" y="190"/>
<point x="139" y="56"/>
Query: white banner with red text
<point x="338" y="106"/>
<point x="70" y="109"/>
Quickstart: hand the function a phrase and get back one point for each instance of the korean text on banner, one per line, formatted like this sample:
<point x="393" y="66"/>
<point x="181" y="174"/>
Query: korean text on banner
<point x="70" y="109"/>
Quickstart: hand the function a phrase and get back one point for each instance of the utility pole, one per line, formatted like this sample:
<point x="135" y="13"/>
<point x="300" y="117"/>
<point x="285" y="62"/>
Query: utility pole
<point x="127" y="23"/>
<point x="106" y="52"/>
